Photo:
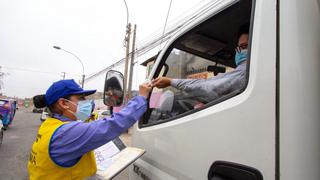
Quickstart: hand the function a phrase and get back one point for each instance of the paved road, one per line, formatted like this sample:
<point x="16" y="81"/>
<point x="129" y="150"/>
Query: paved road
<point x="15" y="148"/>
<point x="16" y="145"/>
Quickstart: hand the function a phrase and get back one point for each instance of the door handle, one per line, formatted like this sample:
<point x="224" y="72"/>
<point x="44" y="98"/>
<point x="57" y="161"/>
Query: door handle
<point x="223" y="170"/>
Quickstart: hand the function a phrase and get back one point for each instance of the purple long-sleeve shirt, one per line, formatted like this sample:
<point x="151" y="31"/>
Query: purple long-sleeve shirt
<point x="72" y="140"/>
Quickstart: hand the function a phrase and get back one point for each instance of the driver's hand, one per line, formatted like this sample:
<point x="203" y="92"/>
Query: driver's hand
<point x="144" y="89"/>
<point x="161" y="82"/>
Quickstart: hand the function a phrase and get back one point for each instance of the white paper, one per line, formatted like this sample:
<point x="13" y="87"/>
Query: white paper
<point x="103" y="155"/>
<point x="120" y="161"/>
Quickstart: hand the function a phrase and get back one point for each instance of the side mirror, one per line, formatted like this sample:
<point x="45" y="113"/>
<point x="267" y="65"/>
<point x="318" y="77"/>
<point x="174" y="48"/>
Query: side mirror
<point x="113" y="93"/>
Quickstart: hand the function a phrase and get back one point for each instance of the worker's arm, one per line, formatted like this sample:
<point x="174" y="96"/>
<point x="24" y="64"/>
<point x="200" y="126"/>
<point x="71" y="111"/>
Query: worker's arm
<point x="74" y="139"/>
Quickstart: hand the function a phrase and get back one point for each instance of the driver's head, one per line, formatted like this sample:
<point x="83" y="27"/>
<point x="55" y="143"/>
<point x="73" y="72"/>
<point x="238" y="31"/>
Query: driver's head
<point x="242" y="46"/>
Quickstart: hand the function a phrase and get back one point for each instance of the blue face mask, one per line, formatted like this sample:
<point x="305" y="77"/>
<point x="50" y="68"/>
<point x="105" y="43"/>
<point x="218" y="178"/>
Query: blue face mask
<point x="241" y="56"/>
<point x="84" y="109"/>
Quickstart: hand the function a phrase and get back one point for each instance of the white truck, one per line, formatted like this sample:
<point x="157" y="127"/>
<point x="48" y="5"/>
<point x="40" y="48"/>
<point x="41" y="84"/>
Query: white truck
<point x="269" y="129"/>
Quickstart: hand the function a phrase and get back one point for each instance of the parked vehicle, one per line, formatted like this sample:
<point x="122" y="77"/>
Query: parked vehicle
<point x="7" y="110"/>
<point x="267" y="130"/>
<point x="37" y="110"/>
<point x="44" y="114"/>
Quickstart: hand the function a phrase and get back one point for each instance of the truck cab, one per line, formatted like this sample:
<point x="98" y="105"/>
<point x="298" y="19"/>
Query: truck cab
<point x="268" y="128"/>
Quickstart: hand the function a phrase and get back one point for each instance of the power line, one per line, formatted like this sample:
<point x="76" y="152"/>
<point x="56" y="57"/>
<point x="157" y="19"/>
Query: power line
<point x="165" y="24"/>
<point x="151" y="44"/>
<point x="177" y="20"/>
<point x="180" y="24"/>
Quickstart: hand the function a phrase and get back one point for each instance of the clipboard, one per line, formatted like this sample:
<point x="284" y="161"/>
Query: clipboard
<point x="113" y="157"/>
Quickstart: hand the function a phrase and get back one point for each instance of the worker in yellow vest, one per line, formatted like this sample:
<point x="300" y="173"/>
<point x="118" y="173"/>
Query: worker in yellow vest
<point x="64" y="145"/>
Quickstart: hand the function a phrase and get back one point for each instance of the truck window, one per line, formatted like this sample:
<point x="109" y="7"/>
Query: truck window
<point x="206" y="65"/>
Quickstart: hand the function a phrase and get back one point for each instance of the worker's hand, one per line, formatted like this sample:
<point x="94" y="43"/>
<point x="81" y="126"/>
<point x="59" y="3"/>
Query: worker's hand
<point x="161" y="82"/>
<point x="144" y="90"/>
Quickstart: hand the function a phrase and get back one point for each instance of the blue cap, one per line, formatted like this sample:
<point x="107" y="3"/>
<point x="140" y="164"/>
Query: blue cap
<point x="64" y="88"/>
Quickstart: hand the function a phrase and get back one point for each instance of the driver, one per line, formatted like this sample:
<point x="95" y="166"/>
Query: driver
<point x="219" y="85"/>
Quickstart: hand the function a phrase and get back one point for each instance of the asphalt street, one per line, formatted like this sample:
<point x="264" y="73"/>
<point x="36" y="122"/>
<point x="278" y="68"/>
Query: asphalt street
<point x="16" y="145"/>
<point x="17" y="142"/>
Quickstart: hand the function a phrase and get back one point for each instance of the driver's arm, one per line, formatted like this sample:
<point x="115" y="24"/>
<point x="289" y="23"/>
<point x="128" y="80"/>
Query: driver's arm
<point x="187" y="84"/>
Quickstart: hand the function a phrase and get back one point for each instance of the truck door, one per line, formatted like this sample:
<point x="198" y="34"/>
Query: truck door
<point x="226" y="125"/>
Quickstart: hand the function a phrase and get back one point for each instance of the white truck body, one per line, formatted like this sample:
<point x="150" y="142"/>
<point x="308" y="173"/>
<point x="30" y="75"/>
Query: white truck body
<point x="272" y="126"/>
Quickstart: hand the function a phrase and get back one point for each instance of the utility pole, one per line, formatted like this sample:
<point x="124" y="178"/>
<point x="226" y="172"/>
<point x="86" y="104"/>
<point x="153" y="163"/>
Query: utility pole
<point x="63" y="75"/>
<point x="127" y="45"/>
<point x="2" y="74"/>
<point x="132" y="62"/>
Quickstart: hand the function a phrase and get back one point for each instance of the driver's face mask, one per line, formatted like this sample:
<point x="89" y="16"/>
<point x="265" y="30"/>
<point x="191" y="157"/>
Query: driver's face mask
<point x="84" y="109"/>
<point x="241" y="56"/>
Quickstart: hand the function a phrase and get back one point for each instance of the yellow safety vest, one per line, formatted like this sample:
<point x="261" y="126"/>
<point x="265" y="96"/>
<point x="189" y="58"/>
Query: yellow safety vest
<point x="41" y="166"/>
<point x="93" y="117"/>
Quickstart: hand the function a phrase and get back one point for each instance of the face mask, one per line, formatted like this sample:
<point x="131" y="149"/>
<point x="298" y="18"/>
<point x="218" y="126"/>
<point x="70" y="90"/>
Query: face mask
<point x="241" y="56"/>
<point x="84" y="109"/>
